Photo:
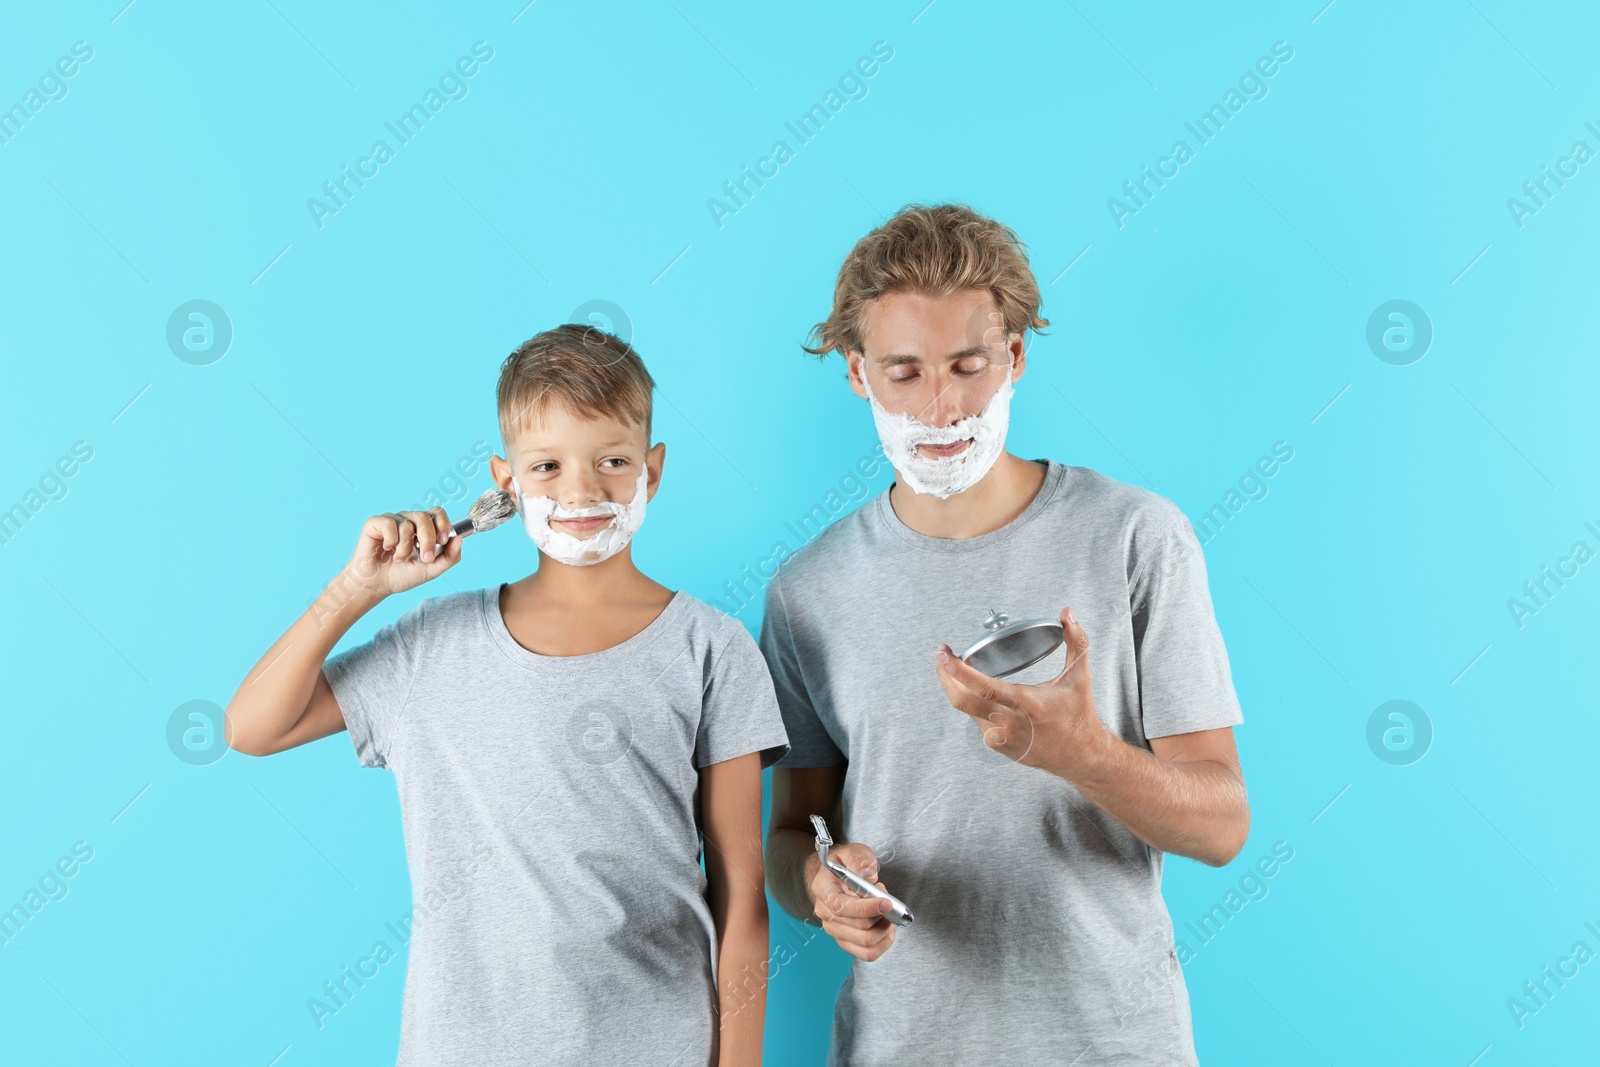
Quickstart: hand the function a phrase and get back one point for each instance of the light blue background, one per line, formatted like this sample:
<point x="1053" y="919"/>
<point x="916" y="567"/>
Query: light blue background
<point x="1226" y="316"/>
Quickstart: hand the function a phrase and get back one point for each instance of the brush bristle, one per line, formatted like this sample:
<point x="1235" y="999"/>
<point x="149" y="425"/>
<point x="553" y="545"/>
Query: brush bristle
<point x="491" y="509"/>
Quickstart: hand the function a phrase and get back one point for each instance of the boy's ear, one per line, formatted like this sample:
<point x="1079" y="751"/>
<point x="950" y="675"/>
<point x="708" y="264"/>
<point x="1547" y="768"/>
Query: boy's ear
<point x="500" y="471"/>
<point x="654" y="460"/>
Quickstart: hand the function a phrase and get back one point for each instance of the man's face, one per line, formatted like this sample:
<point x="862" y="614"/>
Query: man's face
<point x="937" y="359"/>
<point x="580" y="462"/>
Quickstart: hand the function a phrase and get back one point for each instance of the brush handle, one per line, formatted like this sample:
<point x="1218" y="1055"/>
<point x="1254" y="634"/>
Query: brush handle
<point x="459" y="528"/>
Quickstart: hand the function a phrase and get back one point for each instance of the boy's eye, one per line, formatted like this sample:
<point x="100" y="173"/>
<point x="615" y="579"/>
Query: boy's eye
<point x="618" y="460"/>
<point x="543" y="468"/>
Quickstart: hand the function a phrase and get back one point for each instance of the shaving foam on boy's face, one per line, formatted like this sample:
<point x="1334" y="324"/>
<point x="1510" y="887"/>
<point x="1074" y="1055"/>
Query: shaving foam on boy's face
<point x="570" y="467"/>
<point x="599" y="545"/>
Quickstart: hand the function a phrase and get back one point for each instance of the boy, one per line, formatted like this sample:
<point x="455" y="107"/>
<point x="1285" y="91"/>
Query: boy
<point x="564" y="742"/>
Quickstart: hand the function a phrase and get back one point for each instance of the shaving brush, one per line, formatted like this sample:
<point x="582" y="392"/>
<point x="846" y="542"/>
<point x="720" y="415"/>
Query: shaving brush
<point x="491" y="509"/>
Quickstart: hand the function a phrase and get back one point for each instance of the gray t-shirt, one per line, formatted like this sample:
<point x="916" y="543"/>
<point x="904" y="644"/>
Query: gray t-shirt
<point x="1040" y="933"/>
<point x="549" y="805"/>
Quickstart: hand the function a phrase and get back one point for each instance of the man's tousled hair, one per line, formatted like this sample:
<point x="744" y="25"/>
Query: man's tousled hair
<point x="934" y="251"/>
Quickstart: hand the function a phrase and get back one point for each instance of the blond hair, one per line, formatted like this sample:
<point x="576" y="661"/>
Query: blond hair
<point x="934" y="251"/>
<point x="588" y="371"/>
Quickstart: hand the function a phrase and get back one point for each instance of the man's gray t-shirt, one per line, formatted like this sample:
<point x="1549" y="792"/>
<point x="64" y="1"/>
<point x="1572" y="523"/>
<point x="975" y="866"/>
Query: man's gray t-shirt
<point x="549" y="806"/>
<point x="1040" y="934"/>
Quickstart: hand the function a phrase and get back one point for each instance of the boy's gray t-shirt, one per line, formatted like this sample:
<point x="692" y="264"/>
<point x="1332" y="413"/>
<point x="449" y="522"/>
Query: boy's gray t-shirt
<point x="1040" y="934"/>
<point x="549" y="806"/>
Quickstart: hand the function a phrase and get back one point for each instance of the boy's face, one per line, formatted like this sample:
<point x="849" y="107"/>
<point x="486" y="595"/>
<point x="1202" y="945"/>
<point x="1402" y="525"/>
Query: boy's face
<point x="937" y="359"/>
<point x="580" y="462"/>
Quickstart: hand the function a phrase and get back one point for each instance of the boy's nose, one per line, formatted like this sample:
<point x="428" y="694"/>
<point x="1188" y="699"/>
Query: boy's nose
<point x="581" y="490"/>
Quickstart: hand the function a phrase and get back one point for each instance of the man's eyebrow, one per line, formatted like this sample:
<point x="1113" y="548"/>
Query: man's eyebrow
<point x="899" y="357"/>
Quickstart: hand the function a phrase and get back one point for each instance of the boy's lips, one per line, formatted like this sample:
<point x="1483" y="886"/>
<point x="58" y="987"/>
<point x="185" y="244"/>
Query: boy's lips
<point x="940" y="451"/>
<point x="581" y="526"/>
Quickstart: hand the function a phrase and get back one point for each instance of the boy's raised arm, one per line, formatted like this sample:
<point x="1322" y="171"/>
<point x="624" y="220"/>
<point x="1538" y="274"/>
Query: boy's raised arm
<point x="285" y="700"/>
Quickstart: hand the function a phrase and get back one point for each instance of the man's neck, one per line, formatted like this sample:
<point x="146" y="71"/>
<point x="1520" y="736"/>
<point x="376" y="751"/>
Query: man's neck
<point x="998" y="498"/>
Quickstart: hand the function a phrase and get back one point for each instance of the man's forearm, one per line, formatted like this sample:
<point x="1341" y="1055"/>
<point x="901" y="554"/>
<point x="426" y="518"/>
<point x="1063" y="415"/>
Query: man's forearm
<point x="791" y="855"/>
<point x="1197" y="809"/>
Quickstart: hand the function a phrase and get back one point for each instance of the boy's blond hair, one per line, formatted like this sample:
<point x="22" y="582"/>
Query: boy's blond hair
<point x="588" y="371"/>
<point x="934" y="251"/>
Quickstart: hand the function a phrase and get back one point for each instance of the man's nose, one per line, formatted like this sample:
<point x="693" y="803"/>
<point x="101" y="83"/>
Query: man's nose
<point x="942" y="405"/>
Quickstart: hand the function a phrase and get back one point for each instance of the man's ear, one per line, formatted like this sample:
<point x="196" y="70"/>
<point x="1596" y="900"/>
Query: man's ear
<point x="855" y="366"/>
<point x="654" y="461"/>
<point x="1019" y="356"/>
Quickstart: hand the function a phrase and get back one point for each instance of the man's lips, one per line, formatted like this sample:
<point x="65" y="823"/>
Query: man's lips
<point x="940" y="451"/>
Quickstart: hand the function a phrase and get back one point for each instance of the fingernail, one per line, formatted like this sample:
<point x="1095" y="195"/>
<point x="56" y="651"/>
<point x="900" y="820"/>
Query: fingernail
<point x="1073" y="619"/>
<point x="943" y="656"/>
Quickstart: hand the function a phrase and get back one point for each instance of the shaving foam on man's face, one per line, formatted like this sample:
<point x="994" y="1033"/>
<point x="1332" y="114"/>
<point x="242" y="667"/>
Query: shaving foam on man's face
<point x="936" y="371"/>
<point x="930" y="458"/>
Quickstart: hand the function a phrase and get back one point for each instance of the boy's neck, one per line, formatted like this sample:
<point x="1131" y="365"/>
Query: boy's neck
<point x="998" y="498"/>
<point x="612" y="581"/>
<point x="561" y="610"/>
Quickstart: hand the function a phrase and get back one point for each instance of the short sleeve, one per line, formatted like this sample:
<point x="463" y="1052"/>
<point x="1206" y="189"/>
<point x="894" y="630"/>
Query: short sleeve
<point x="809" y="742"/>
<point x="738" y="712"/>
<point x="372" y="683"/>
<point x="1185" y="684"/>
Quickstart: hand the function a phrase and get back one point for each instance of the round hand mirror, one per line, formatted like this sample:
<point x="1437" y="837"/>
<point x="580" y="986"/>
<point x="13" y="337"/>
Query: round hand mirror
<point x="1008" y="647"/>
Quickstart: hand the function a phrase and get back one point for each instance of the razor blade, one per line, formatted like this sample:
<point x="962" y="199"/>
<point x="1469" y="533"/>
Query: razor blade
<point x="898" y="913"/>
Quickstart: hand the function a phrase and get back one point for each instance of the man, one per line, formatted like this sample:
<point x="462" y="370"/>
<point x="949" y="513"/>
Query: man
<point x="1023" y="820"/>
